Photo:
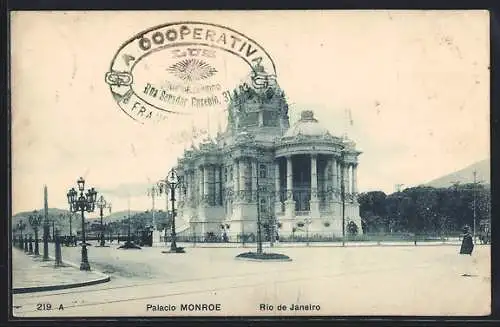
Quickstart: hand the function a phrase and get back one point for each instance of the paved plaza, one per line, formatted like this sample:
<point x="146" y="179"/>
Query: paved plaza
<point x="327" y="280"/>
<point x="31" y="274"/>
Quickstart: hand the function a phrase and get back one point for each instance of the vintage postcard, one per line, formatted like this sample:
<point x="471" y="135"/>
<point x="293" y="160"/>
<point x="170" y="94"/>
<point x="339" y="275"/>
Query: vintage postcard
<point x="250" y="163"/>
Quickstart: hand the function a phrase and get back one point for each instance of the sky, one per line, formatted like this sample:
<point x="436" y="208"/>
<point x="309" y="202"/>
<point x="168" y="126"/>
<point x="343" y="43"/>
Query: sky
<point x="411" y="88"/>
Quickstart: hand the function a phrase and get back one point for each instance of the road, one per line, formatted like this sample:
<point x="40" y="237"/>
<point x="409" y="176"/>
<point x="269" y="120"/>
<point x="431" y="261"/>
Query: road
<point x="422" y="280"/>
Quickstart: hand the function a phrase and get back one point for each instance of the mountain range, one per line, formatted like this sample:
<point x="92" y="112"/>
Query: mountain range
<point x="61" y="216"/>
<point x="465" y="175"/>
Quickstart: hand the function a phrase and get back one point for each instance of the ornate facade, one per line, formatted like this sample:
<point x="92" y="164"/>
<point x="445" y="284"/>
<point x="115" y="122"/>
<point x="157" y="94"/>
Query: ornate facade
<point x="295" y="174"/>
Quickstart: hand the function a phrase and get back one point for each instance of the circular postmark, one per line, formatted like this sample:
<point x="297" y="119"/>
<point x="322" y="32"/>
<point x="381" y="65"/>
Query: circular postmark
<point x="184" y="67"/>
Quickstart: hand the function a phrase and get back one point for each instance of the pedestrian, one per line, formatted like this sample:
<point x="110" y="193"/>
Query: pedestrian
<point x="466" y="252"/>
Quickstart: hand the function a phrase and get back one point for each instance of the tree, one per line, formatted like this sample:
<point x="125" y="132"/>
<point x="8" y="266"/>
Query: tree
<point x="372" y="209"/>
<point x="425" y="201"/>
<point x="395" y="221"/>
<point x="373" y="223"/>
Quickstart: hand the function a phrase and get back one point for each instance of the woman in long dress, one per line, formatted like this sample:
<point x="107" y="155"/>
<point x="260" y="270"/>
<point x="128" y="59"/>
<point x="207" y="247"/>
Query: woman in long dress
<point x="466" y="253"/>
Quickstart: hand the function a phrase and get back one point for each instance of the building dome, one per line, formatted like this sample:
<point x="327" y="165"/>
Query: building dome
<point x="307" y="125"/>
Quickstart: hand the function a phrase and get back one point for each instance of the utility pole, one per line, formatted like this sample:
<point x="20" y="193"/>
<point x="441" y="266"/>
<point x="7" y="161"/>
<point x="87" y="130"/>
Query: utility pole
<point x="46" y="226"/>
<point x="128" y="214"/>
<point x="342" y="196"/>
<point x="259" y="230"/>
<point x="474" y="207"/>
<point x="162" y="185"/>
<point x="129" y="244"/>
<point x="273" y="221"/>
<point x="348" y="122"/>
<point x="152" y="192"/>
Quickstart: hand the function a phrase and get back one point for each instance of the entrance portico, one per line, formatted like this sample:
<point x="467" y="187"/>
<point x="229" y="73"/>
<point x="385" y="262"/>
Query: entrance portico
<point x="309" y="182"/>
<point x="313" y="168"/>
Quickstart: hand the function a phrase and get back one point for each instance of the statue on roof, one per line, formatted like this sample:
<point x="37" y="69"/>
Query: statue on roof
<point x="257" y="89"/>
<point x="260" y="78"/>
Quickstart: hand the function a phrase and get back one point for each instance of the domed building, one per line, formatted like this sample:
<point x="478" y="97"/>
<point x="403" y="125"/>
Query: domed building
<point x="293" y="178"/>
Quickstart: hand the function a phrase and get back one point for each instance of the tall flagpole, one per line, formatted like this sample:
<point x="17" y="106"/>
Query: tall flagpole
<point x="152" y="192"/>
<point x="259" y="230"/>
<point x="166" y="212"/>
<point x="474" y="207"/>
<point x="153" y="198"/>
<point x="45" y="224"/>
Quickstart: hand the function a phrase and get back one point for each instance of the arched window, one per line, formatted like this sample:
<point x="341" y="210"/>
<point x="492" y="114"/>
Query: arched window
<point x="262" y="171"/>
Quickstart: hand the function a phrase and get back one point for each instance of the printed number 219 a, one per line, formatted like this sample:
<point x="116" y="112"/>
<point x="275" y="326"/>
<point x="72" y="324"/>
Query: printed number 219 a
<point x="44" y="306"/>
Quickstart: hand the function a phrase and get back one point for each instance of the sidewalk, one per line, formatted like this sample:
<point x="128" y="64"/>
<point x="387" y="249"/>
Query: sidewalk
<point x="311" y="244"/>
<point x="31" y="274"/>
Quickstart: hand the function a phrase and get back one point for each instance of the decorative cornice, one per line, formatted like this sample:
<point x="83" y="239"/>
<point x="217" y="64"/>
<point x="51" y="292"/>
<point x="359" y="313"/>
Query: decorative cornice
<point x="326" y="139"/>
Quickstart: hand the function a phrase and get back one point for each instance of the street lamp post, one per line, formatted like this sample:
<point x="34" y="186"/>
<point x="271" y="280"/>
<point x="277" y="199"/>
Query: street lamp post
<point x="102" y="204"/>
<point x="14" y="235"/>
<point x="129" y="222"/>
<point x="82" y="203"/>
<point x="46" y="227"/>
<point x="35" y="219"/>
<point x="171" y="183"/>
<point x="163" y="188"/>
<point x="474" y="190"/>
<point x="274" y="226"/>
<point x="30" y="244"/>
<point x="474" y="207"/>
<point x="21" y="225"/>
<point x="129" y="244"/>
<point x="53" y="230"/>
<point x="260" y="255"/>
<point x="259" y="227"/>
<point x="342" y="196"/>
<point x="110" y="232"/>
<point x="70" y="225"/>
<point x="70" y="216"/>
<point x="153" y="192"/>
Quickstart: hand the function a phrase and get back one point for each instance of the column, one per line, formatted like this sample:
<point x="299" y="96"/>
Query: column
<point x="217" y="185"/>
<point x="192" y="184"/>
<point x="201" y="184"/>
<point x="254" y="180"/>
<point x="335" y="174"/>
<point x="314" y="203"/>
<point x="314" y="177"/>
<point x="187" y="179"/>
<point x="241" y="177"/>
<point x="339" y="175"/>
<point x="205" y="184"/>
<point x="326" y="176"/>
<point x="345" y="182"/>
<point x="349" y="177"/>
<point x="277" y="201"/>
<point x="289" y="203"/>
<point x="355" y="178"/>
<point x="236" y="180"/>
<point x="289" y="178"/>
